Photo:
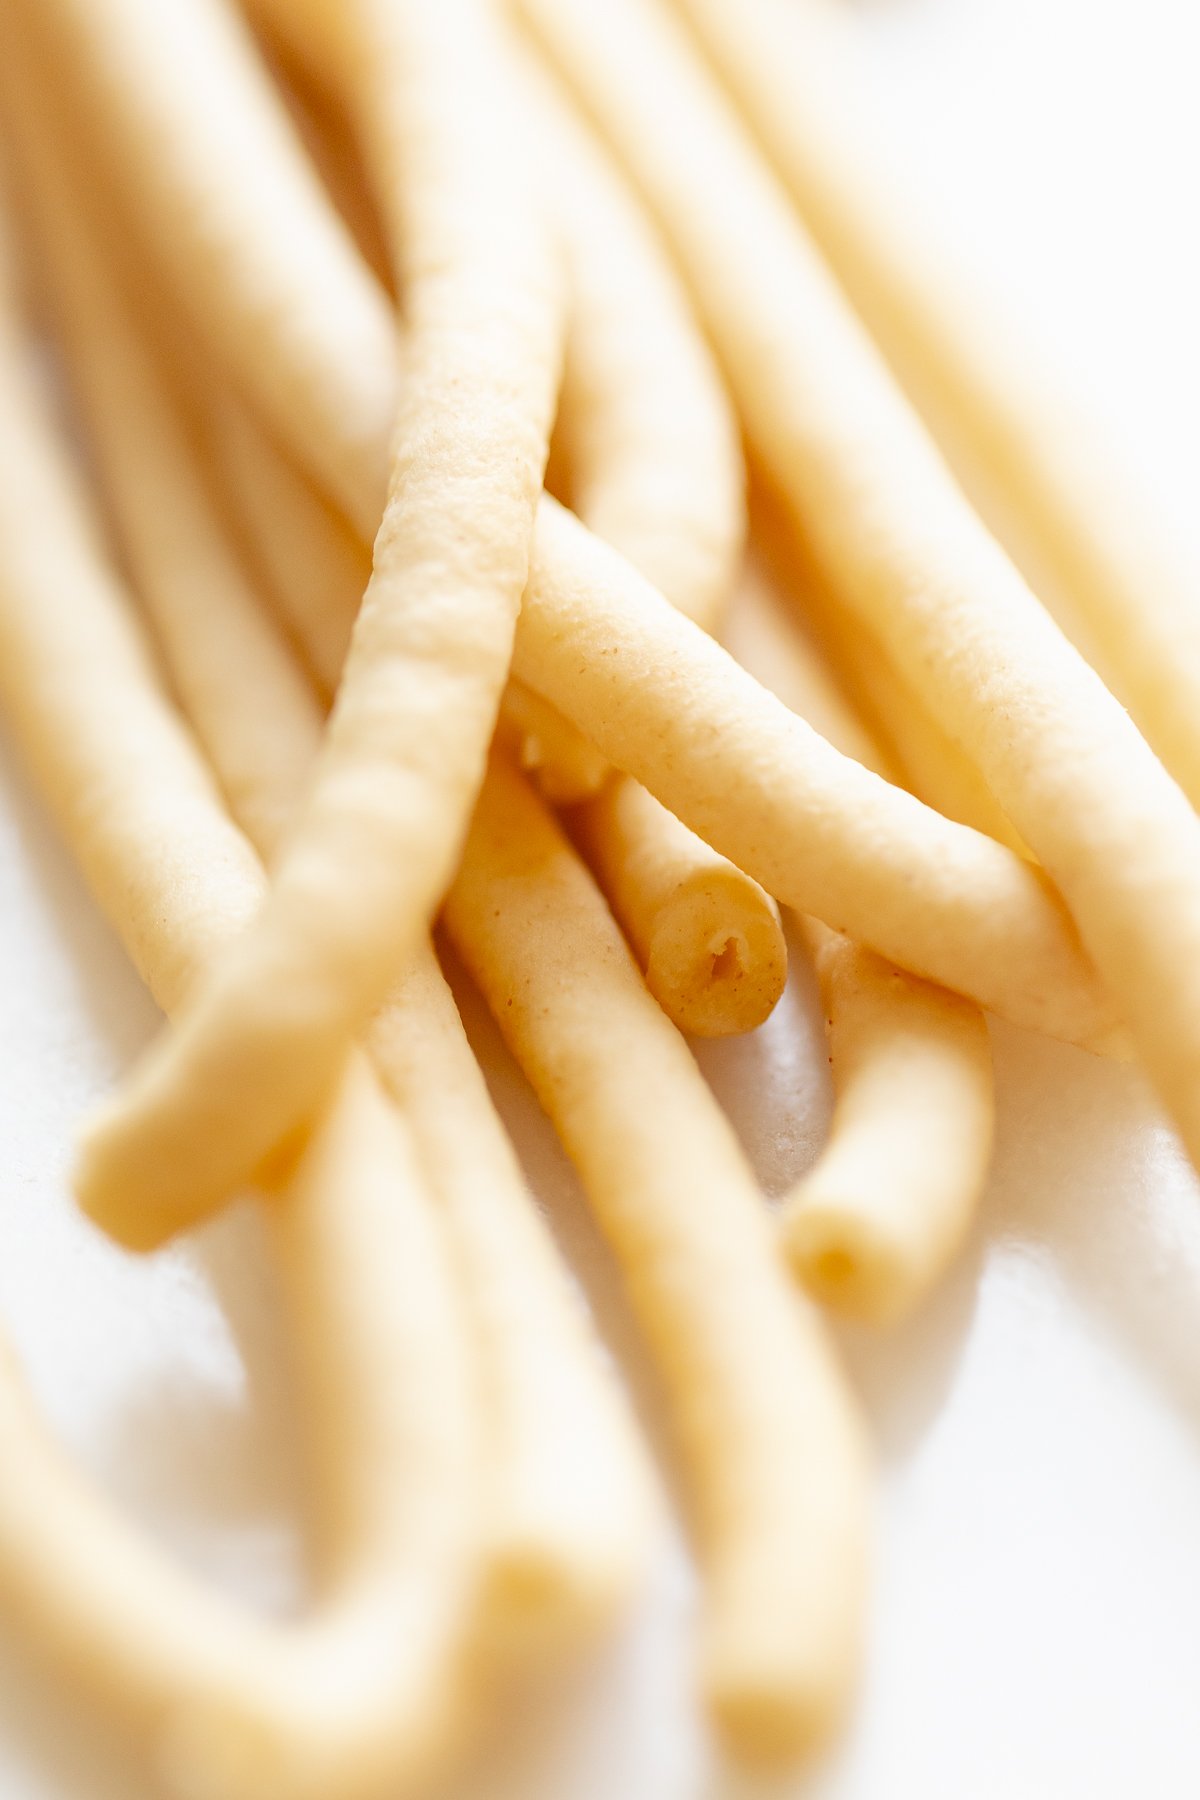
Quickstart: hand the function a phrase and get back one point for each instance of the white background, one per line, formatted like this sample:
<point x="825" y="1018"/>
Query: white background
<point x="1037" y="1619"/>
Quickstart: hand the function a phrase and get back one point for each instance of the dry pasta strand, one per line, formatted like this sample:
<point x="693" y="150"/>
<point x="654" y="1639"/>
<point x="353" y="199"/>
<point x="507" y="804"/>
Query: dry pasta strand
<point x="768" y="1432"/>
<point x="315" y="570"/>
<point x="921" y="755"/>
<point x="707" y="938"/>
<point x="310" y="564"/>
<point x="878" y="1220"/>
<point x="361" y="874"/>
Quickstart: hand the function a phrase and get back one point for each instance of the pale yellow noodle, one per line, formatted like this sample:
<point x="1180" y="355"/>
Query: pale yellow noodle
<point x="707" y="938"/>
<point x="567" y="1523"/>
<point x="315" y="569"/>
<point x="221" y="650"/>
<point x="767" y="1429"/>
<point x="262" y="1037"/>
<point x="308" y="560"/>
<point x="922" y="757"/>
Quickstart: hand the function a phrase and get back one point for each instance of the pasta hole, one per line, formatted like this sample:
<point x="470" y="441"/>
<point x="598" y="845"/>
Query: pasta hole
<point x="835" y="1269"/>
<point x="730" y="960"/>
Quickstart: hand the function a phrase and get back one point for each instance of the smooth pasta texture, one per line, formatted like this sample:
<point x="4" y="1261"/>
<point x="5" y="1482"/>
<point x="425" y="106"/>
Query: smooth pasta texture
<point x="769" y="1434"/>
<point x="314" y="568"/>
<point x="417" y="704"/>
<point x="921" y="756"/>
<point x="880" y="1217"/>
<point x="417" y="353"/>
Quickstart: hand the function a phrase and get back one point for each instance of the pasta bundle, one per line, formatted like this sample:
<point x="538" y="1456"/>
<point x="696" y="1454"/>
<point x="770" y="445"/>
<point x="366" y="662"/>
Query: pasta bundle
<point x="401" y="542"/>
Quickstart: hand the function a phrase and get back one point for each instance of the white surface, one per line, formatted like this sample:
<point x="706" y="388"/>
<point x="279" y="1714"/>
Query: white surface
<point x="1038" y="1588"/>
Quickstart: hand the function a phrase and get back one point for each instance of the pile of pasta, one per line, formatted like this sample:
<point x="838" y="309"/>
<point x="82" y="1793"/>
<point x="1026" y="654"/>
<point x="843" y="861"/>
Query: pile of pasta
<point x="414" y="356"/>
